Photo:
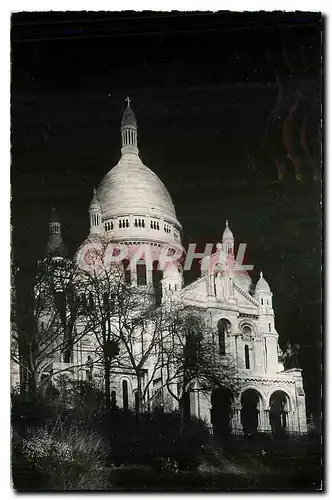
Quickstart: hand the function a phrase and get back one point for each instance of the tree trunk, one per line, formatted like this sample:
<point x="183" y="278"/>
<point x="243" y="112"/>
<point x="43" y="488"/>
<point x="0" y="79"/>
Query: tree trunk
<point x="32" y="385"/>
<point x="184" y="407"/>
<point x="139" y="399"/>
<point x="107" y="374"/>
<point x="182" y="415"/>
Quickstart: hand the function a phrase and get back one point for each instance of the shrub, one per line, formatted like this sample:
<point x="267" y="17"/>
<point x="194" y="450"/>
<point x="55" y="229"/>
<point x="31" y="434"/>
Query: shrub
<point x="65" y="459"/>
<point x="156" y="439"/>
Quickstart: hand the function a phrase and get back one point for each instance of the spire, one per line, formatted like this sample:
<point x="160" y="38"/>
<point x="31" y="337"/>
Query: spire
<point x="54" y="225"/>
<point x="54" y="216"/>
<point x="129" y="130"/>
<point x="55" y="245"/>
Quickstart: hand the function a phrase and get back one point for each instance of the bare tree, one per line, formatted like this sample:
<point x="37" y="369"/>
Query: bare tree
<point x="124" y="321"/>
<point x="43" y="325"/>
<point x="191" y="360"/>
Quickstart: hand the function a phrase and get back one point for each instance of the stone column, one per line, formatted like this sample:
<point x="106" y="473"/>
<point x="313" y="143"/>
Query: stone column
<point x="292" y="422"/>
<point x="260" y="414"/>
<point x="236" y="425"/>
<point x="266" y="420"/>
<point x="205" y="408"/>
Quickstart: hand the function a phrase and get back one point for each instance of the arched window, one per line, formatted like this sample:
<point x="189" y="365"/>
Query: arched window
<point x="126" y="270"/>
<point x="143" y="223"/>
<point x="141" y="273"/>
<point x="262" y="301"/>
<point x="113" y="400"/>
<point x="156" y="279"/>
<point x="221" y="338"/>
<point x="247" y="330"/>
<point x="135" y="223"/>
<point x="127" y="223"/>
<point x="223" y="326"/>
<point x="269" y="327"/>
<point x="246" y="357"/>
<point x="120" y="224"/>
<point x="125" y="394"/>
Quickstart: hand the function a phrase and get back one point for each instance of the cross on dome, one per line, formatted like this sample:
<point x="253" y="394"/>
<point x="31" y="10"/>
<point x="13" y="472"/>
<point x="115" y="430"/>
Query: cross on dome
<point x="128" y="101"/>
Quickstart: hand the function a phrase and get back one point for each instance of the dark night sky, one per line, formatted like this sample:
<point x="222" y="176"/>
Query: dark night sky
<point x="203" y="87"/>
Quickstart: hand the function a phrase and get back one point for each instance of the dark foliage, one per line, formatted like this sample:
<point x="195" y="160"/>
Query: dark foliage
<point x="152" y="438"/>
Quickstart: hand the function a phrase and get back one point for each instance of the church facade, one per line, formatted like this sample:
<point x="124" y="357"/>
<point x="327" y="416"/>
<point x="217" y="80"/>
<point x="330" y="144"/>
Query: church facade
<point x="132" y="207"/>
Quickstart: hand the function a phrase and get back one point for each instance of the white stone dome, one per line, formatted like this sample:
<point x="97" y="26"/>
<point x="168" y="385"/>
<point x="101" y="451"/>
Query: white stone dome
<point x="132" y="188"/>
<point x="172" y="270"/>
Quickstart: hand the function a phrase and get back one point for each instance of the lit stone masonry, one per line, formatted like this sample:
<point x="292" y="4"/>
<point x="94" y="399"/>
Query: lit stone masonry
<point x="131" y="206"/>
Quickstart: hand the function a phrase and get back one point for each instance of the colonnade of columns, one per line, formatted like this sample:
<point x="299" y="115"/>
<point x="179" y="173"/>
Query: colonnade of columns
<point x="266" y="419"/>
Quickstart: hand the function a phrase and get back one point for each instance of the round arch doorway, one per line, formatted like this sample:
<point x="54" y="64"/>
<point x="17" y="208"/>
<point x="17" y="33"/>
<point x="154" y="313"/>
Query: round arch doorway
<point x="221" y="412"/>
<point x="279" y="413"/>
<point x="251" y="405"/>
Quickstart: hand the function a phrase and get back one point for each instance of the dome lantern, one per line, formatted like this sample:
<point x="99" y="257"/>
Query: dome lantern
<point x="55" y="246"/>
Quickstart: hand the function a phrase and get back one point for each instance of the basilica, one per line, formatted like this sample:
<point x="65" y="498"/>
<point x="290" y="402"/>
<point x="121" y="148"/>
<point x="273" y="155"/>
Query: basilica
<point x="132" y="207"/>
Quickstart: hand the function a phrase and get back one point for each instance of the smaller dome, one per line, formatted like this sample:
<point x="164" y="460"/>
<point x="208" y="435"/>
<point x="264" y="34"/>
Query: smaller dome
<point x="262" y="285"/>
<point x="128" y="118"/>
<point x="55" y="246"/>
<point x="227" y="234"/>
<point x="94" y="205"/>
<point x="172" y="271"/>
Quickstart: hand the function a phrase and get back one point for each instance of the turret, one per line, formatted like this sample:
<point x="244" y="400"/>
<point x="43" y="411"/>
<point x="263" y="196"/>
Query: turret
<point x="55" y="246"/>
<point x="95" y="214"/>
<point x="228" y="240"/>
<point x="172" y="280"/>
<point x="263" y="295"/>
